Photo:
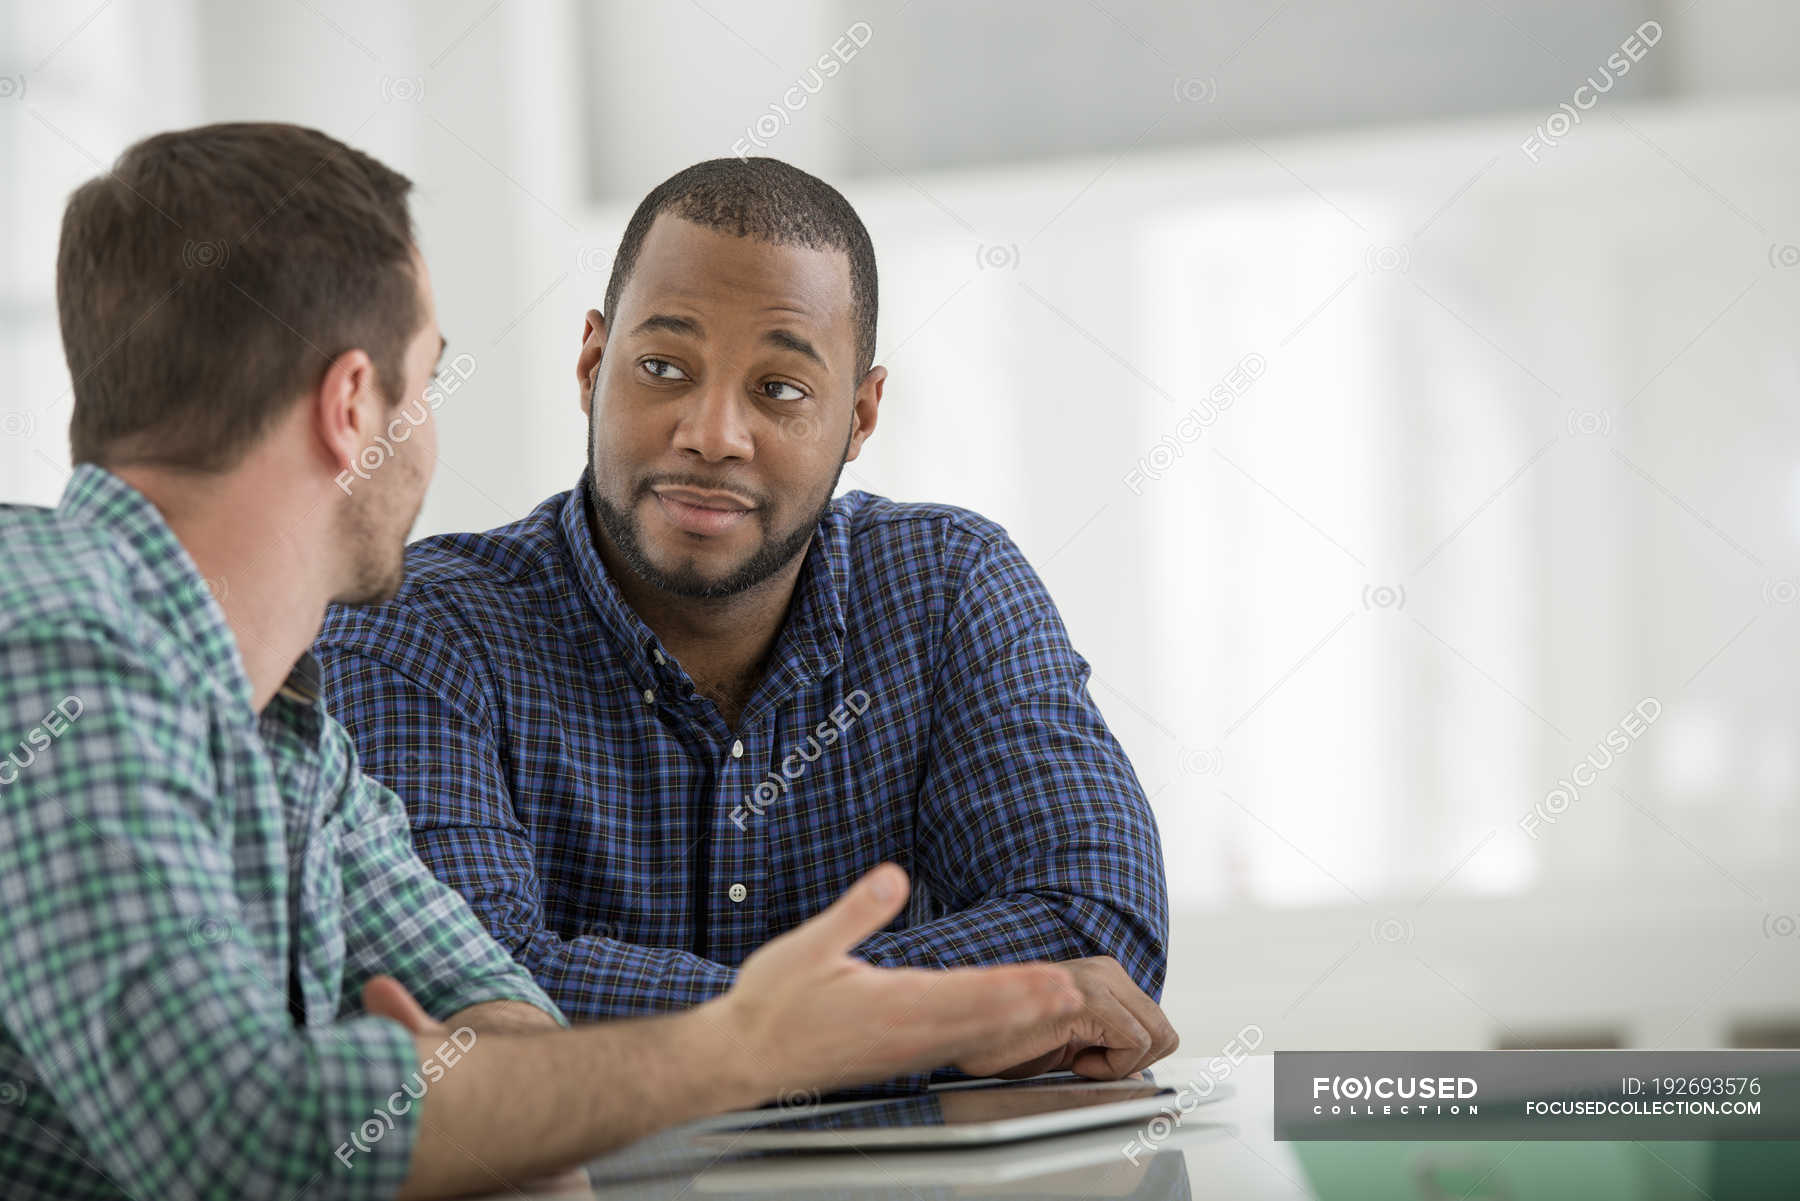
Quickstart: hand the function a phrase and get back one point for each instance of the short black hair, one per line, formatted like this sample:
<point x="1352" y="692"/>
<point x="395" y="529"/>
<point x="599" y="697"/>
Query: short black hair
<point x="206" y="282"/>
<point x="770" y="201"/>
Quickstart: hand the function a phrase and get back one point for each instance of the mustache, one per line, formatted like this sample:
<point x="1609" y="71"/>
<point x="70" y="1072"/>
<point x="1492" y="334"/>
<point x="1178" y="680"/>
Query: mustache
<point x="650" y="483"/>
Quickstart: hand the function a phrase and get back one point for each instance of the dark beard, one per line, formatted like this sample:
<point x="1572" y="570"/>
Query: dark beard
<point x="774" y="554"/>
<point x="621" y="527"/>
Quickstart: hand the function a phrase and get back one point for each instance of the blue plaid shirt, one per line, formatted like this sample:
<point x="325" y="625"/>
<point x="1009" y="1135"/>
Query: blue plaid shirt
<point x="922" y="704"/>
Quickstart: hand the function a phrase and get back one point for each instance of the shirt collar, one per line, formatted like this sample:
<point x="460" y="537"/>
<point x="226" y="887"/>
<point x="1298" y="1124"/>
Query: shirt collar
<point x="300" y="699"/>
<point x="169" y="587"/>
<point x="810" y="645"/>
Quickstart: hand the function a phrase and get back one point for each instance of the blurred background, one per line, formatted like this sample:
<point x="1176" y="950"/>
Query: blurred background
<point x="1399" y="398"/>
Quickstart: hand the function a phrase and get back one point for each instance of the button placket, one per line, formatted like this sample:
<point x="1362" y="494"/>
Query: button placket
<point x="739" y="849"/>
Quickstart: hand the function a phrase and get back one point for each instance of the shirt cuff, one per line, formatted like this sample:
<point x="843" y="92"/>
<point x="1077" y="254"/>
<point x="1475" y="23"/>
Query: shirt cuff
<point x="513" y="986"/>
<point x="373" y="1085"/>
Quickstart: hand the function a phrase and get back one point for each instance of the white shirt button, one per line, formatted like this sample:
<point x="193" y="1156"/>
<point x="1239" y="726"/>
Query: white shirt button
<point x="737" y="748"/>
<point x="649" y="696"/>
<point x="659" y="657"/>
<point x="737" y="892"/>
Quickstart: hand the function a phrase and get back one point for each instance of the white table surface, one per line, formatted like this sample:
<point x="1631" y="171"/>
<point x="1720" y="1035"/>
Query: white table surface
<point x="1223" y="1148"/>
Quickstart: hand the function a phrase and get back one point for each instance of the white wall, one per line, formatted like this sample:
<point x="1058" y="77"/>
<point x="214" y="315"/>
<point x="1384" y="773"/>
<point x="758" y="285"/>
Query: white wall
<point x="1523" y="457"/>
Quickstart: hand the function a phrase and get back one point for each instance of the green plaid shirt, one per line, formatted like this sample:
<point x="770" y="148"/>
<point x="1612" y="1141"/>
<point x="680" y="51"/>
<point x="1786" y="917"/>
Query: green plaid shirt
<point x="192" y="895"/>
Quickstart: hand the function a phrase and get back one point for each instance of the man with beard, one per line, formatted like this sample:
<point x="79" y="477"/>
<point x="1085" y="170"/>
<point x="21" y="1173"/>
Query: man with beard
<point x="226" y="973"/>
<point x="672" y="712"/>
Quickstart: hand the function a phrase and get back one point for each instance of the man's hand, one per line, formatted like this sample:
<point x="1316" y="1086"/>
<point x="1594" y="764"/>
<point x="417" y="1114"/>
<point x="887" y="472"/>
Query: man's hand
<point x="1117" y="1031"/>
<point x="806" y="1015"/>
<point x="386" y="997"/>
<point x="803" y="1016"/>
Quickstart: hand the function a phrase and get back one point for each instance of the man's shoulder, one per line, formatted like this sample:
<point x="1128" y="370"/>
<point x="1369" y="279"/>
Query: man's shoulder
<point x="486" y="564"/>
<point x="462" y="592"/>
<point x="478" y="574"/>
<point x="67" y="577"/>
<point x="875" y="528"/>
<point x="937" y="567"/>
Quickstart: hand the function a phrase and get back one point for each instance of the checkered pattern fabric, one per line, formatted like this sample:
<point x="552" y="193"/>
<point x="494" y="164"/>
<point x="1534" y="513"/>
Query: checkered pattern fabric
<point x="922" y="704"/>
<point x="192" y="894"/>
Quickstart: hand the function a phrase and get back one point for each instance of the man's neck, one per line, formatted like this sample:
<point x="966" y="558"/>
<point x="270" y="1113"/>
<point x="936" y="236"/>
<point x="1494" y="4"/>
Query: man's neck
<point x="722" y="642"/>
<point x="249" y="541"/>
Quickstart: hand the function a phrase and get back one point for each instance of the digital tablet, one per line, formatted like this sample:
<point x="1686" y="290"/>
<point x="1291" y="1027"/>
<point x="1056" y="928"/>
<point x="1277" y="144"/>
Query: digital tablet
<point x="976" y="1114"/>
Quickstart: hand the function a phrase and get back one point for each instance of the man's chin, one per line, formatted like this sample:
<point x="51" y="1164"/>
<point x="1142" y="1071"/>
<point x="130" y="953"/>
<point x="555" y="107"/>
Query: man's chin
<point x="687" y="578"/>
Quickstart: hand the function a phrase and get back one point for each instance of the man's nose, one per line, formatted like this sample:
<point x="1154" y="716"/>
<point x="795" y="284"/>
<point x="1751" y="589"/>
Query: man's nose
<point x="716" y="425"/>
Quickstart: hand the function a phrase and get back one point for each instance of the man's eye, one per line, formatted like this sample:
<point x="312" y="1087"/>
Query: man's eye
<point x="792" y="393"/>
<point x="663" y="369"/>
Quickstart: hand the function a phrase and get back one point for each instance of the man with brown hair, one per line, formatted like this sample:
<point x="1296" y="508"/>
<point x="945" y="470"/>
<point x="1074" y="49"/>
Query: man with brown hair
<point x="226" y="971"/>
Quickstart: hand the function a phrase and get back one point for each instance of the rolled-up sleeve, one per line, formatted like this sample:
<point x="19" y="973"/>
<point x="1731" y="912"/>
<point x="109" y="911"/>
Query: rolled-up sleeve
<point x="131" y="985"/>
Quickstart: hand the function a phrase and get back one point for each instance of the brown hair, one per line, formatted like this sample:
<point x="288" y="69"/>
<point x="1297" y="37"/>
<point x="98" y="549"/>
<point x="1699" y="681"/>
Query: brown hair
<point x="205" y="283"/>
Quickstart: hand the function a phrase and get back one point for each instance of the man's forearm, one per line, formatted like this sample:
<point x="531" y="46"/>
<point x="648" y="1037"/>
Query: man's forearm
<point x="803" y="1014"/>
<point x="503" y="1017"/>
<point x="520" y="1105"/>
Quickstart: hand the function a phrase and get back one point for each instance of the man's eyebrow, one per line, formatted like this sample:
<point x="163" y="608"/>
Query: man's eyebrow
<point x="668" y="323"/>
<point x="795" y="343"/>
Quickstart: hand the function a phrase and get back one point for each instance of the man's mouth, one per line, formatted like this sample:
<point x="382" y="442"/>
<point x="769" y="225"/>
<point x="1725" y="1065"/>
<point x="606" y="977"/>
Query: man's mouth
<point x="701" y="510"/>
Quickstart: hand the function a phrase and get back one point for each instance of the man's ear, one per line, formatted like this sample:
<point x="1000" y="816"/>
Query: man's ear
<point x="593" y="344"/>
<point x="347" y="408"/>
<point x="868" y="406"/>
